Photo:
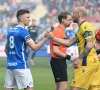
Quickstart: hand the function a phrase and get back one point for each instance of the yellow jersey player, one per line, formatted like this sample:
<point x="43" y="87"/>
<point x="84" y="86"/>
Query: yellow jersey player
<point x="86" y="73"/>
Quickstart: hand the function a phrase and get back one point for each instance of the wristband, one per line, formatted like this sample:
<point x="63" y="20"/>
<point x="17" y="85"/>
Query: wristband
<point x="98" y="51"/>
<point x="68" y="57"/>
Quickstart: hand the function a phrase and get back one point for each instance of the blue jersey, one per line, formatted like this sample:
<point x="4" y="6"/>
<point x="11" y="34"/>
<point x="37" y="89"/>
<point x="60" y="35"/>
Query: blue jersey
<point x="69" y="34"/>
<point x="48" y="42"/>
<point x="17" y="39"/>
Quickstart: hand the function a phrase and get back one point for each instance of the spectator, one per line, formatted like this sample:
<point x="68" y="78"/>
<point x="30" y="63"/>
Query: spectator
<point x="33" y="30"/>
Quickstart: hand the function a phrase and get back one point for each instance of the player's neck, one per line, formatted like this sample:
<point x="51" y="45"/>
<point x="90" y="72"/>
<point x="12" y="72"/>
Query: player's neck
<point x="21" y="24"/>
<point x="61" y="25"/>
<point x="81" y="20"/>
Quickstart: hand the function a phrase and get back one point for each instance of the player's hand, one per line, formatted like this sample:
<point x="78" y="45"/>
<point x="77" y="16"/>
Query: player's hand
<point x="46" y="34"/>
<point x="73" y="58"/>
<point x="76" y="63"/>
<point x="49" y="35"/>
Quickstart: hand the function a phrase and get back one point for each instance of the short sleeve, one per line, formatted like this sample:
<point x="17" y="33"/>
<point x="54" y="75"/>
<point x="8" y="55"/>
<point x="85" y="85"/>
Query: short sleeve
<point x="87" y="32"/>
<point x="57" y="34"/>
<point x="25" y="35"/>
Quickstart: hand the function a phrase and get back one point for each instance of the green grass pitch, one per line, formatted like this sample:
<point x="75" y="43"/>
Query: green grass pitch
<point x="41" y="71"/>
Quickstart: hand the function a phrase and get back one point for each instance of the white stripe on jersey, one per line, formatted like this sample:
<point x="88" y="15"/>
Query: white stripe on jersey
<point x="23" y="55"/>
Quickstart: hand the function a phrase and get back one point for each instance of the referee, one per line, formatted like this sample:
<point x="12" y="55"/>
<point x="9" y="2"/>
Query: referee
<point x="58" y="52"/>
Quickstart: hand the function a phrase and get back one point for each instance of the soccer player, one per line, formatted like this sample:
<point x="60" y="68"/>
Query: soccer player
<point x="86" y="73"/>
<point x="18" y="74"/>
<point x="33" y="31"/>
<point x="98" y="43"/>
<point x="58" y="52"/>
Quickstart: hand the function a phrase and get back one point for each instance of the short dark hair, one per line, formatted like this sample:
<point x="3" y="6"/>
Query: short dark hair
<point x="21" y="12"/>
<point x="62" y="15"/>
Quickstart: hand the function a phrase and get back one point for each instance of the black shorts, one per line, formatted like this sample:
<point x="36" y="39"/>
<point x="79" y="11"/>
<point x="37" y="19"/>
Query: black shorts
<point x="59" y="69"/>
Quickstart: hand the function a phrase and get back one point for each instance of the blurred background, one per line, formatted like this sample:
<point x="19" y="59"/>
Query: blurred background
<point x="45" y="13"/>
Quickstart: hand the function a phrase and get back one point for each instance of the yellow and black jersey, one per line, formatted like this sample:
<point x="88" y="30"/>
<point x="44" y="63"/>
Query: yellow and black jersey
<point x="85" y="32"/>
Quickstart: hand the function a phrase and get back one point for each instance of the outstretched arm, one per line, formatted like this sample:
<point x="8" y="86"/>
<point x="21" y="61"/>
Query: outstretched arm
<point x="37" y="46"/>
<point x="65" y="42"/>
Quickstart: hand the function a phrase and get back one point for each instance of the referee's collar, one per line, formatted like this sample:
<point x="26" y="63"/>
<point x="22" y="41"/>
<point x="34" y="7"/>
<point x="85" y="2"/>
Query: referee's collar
<point x="61" y="27"/>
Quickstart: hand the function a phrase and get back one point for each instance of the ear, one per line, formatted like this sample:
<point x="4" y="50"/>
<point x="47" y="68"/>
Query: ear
<point x="21" y="18"/>
<point x="62" y="20"/>
<point x="78" y="14"/>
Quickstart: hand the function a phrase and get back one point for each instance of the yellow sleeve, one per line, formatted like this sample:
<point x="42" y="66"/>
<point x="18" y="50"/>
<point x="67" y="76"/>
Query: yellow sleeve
<point x="86" y="31"/>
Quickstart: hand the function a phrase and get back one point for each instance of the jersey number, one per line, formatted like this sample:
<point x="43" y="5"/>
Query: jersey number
<point x="11" y="41"/>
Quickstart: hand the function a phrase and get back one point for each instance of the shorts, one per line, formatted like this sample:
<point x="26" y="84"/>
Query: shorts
<point x="85" y="76"/>
<point x="59" y="69"/>
<point x="95" y="85"/>
<point x="18" y="78"/>
<point x="73" y="50"/>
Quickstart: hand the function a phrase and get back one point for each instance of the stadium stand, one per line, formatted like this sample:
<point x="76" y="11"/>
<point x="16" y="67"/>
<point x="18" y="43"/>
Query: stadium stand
<point x="44" y="11"/>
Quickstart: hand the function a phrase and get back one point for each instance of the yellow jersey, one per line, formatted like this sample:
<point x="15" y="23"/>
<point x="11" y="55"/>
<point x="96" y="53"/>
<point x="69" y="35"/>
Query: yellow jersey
<point x="84" y="32"/>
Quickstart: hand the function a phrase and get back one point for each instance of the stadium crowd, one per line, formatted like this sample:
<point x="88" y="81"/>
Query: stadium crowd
<point x="56" y="6"/>
<point x="8" y="11"/>
<point x="9" y="7"/>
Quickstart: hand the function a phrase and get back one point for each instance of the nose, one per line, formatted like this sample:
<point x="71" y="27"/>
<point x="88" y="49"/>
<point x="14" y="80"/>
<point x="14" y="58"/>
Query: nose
<point x="71" y="21"/>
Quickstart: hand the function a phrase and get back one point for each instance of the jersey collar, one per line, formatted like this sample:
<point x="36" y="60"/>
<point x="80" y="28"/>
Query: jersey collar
<point x="19" y="26"/>
<point x="61" y="27"/>
<point x="82" y="22"/>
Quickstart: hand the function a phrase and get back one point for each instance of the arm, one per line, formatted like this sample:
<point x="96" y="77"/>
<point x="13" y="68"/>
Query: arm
<point x="62" y="55"/>
<point x="58" y="52"/>
<point x="37" y="46"/>
<point x="6" y="50"/>
<point x="87" y="49"/>
<point x="65" y="42"/>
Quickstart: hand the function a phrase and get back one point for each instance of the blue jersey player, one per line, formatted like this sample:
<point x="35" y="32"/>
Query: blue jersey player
<point x="18" y="74"/>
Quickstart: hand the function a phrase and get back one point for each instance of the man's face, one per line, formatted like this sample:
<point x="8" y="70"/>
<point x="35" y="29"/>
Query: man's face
<point x="25" y="19"/>
<point x="67" y="21"/>
<point x="75" y="17"/>
<point x="33" y="23"/>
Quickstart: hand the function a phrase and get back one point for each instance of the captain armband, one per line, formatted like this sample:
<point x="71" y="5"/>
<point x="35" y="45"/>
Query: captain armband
<point x="98" y="51"/>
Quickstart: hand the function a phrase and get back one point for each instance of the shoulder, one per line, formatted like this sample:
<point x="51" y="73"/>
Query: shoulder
<point x="86" y="25"/>
<point x="57" y="30"/>
<point x="24" y="31"/>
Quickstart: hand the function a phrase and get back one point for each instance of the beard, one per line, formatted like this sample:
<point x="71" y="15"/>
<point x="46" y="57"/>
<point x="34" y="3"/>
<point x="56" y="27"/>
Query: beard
<point x="67" y="25"/>
<point x="75" y="20"/>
